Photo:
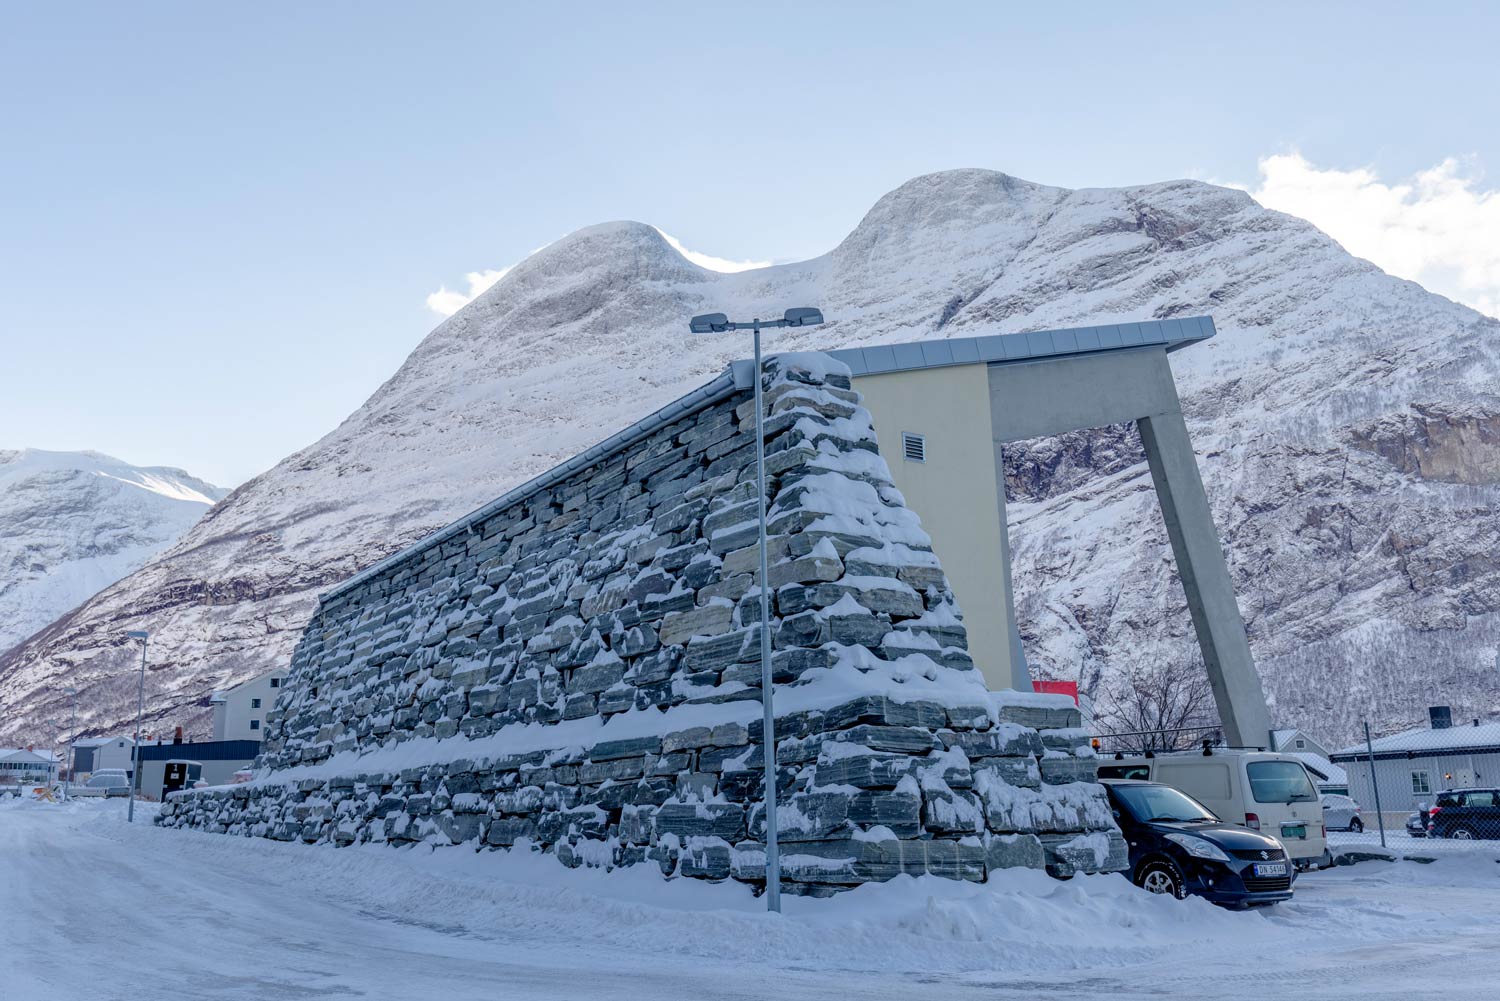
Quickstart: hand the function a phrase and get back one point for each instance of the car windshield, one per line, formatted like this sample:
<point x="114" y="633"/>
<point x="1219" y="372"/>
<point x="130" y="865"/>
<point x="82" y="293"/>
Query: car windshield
<point x="1280" y="782"/>
<point x="1158" y="803"/>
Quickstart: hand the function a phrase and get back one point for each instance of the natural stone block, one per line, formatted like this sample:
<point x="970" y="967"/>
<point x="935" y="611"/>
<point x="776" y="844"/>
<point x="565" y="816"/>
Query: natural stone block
<point x="708" y="620"/>
<point x="1098" y="851"/>
<point x="1014" y="851"/>
<point x="1060" y="770"/>
<point x="871" y="770"/>
<point x="709" y="820"/>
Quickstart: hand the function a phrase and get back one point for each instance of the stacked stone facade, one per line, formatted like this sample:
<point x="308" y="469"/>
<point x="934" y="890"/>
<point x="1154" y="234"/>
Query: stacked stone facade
<point x="578" y="672"/>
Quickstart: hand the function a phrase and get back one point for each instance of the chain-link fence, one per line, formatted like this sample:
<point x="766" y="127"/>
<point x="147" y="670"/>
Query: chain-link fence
<point x="1421" y="791"/>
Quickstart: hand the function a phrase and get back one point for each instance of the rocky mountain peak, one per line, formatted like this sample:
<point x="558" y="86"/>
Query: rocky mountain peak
<point x="71" y="523"/>
<point x="1324" y="415"/>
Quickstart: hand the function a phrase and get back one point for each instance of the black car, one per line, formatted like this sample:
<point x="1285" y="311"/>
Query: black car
<point x="1178" y="846"/>
<point x="1465" y="814"/>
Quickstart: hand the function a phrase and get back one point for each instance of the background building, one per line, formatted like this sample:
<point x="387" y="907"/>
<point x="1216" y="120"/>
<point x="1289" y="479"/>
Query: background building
<point x="220" y="760"/>
<point x="240" y="712"/>
<point x="1412" y="766"/>
<point x="21" y="766"/>
<point x="1299" y="744"/>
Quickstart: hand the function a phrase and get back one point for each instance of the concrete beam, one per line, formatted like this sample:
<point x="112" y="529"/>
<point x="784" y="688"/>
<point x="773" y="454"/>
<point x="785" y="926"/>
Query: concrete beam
<point x="1205" y="579"/>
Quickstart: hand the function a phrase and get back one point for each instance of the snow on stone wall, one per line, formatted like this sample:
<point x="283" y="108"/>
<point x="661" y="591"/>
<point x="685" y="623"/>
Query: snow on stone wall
<point x="579" y="672"/>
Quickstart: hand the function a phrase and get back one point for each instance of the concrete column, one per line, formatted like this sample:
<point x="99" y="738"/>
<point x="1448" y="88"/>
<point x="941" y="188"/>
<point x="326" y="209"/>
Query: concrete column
<point x="1012" y="658"/>
<point x="1205" y="578"/>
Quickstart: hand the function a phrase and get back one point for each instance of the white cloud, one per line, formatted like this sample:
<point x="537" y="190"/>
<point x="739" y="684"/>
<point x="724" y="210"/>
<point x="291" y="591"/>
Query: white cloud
<point x="1439" y="228"/>
<point x="446" y="302"/>
<point x="711" y="262"/>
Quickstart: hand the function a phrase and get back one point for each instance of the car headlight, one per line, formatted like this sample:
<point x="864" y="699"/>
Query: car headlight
<point x="1198" y="847"/>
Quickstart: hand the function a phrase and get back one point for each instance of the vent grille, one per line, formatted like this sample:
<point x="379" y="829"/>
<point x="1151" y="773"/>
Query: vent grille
<point x="913" y="447"/>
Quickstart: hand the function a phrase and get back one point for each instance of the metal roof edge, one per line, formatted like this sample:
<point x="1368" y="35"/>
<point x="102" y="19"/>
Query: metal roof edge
<point x="880" y="359"/>
<point x="1350" y="756"/>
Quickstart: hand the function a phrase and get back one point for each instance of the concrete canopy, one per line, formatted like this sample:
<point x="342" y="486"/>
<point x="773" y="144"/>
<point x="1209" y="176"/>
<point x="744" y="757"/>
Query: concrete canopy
<point x="965" y="398"/>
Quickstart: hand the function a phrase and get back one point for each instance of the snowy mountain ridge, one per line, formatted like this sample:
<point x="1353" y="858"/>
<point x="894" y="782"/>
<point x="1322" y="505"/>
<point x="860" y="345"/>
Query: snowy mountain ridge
<point x="72" y="523"/>
<point x="1333" y="416"/>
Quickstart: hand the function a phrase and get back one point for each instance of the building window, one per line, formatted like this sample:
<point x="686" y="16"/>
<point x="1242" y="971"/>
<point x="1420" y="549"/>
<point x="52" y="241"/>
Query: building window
<point x="275" y="682"/>
<point x="1420" y="786"/>
<point x="1301" y="743"/>
<point x="255" y="724"/>
<point x="913" y="447"/>
<point x="255" y="703"/>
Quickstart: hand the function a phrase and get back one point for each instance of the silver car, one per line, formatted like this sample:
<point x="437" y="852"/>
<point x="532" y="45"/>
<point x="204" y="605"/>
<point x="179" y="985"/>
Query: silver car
<point x="104" y="785"/>
<point x="1340" y="813"/>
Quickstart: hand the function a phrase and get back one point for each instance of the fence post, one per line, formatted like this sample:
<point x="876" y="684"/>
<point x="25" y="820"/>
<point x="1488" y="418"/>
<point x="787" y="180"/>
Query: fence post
<point x="1375" y="783"/>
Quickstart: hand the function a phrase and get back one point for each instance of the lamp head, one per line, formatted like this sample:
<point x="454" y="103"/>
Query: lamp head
<point x="803" y="316"/>
<point x="709" y="323"/>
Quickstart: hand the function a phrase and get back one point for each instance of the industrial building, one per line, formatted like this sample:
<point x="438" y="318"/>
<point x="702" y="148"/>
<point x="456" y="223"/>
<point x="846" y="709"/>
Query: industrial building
<point x="220" y="760"/>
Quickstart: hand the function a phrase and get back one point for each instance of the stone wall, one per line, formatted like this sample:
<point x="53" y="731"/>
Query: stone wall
<point x="578" y="671"/>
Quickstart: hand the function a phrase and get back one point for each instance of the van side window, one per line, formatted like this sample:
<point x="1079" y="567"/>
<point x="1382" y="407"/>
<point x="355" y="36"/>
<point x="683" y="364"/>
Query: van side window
<point x="1125" y="771"/>
<point x="1202" y="782"/>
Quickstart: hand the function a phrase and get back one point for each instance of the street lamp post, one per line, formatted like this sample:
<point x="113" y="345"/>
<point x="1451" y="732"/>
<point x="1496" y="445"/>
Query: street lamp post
<point x="140" y="708"/>
<point x="72" y="694"/>
<point x="52" y="728"/>
<point x="717" y="323"/>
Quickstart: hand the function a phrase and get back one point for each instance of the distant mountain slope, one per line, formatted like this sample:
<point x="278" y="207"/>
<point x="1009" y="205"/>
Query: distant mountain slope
<point x="72" y="523"/>
<point x="1345" y="420"/>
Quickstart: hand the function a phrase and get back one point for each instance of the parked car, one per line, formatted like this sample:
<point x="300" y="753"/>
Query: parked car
<point x="1260" y="790"/>
<point x="1178" y="846"/>
<point x="1341" y="813"/>
<point x="104" y="784"/>
<point x="1416" y="823"/>
<point x="1465" y="814"/>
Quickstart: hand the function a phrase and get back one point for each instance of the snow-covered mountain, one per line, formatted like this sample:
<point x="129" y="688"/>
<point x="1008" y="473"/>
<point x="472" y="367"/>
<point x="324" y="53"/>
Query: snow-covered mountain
<point x="72" y="523"/>
<point x="1347" y="423"/>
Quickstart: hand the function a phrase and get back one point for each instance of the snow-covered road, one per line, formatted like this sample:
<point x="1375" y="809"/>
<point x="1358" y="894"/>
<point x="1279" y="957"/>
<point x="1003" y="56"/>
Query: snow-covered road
<point x="90" y="908"/>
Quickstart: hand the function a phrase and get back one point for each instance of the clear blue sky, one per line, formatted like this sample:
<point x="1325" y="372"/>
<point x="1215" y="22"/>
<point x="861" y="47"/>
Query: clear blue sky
<point x="219" y="223"/>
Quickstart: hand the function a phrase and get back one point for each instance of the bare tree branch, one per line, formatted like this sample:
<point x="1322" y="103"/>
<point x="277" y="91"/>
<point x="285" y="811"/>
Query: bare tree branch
<point x="1161" y="704"/>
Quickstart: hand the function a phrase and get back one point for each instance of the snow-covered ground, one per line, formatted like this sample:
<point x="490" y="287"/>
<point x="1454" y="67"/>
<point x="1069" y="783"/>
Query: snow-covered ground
<point x="91" y="908"/>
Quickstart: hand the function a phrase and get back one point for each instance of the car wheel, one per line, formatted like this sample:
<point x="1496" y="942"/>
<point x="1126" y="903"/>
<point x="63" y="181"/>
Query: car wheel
<point x="1162" y="877"/>
<point x="1356" y="825"/>
<point x="1462" y="834"/>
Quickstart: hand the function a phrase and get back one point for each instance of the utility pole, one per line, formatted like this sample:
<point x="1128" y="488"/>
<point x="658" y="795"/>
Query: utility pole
<point x="1375" y="783"/>
<point x="72" y="693"/>
<point x="140" y="708"/>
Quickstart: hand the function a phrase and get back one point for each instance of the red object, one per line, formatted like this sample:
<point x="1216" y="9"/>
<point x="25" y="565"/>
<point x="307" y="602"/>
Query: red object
<point x="1252" y="820"/>
<point x="1068" y="688"/>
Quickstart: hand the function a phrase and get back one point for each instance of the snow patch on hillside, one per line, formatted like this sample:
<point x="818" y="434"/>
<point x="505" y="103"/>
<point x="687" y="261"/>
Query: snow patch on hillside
<point x="73" y="523"/>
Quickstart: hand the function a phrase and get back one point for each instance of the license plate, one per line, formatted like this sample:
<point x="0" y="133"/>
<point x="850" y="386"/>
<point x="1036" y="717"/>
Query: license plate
<point x="1270" y="868"/>
<point x="1294" y="830"/>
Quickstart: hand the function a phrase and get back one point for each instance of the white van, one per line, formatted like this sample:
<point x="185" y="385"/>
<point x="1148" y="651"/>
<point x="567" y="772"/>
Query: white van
<point x="1271" y="793"/>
